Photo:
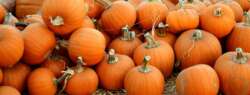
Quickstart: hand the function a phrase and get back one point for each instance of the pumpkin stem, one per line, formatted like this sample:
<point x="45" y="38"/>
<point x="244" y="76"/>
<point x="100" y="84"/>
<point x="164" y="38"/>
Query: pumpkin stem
<point x="112" y="58"/>
<point x="247" y="20"/>
<point x="65" y="77"/>
<point x="127" y="35"/>
<point x="79" y="67"/>
<point x="7" y="18"/>
<point x="197" y="35"/>
<point x="106" y="3"/>
<point x="218" y="12"/>
<point x="161" y="30"/>
<point x="181" y="3"/>
<point x="240" y="58"/>
<point x="63" y="43"/>
<point x="151" y="43"/>
<point x="144" y="68"/>
<point x="190" y="1"/>
<point x="56" y="21"/>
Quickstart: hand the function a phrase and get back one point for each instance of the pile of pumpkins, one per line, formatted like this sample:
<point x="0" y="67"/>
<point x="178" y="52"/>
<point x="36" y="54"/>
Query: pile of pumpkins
<point x="77" y="46"/>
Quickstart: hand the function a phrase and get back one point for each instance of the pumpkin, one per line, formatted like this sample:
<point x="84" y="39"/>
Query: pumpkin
<point x="87" y="43"/>
<point x="197" y="42"/>
<point x="27" y="7"/>
<point x="39" y="42"/>
<point x="63" y="16"/>
<point x="112" y="20"/>
<point x="107" y="38"/>
<point x="33" y="19"/>
<point x="16" y="76"/>
<point x="151" y="12"/>
<point x="112" y="70"/>
<point x="240" y="35"/>
<point x="153" y="48"/>
<point x="182" y="19"/>
<point x="88" y="23"/>
<point x="135" y="3"/>
<point x="238" y="11"/>
<point x="200" y="77"/>
<point x="43" y="79"/>
<point x="94" y="8"/>
<point x="126" y="44"/>
<point x="56" y="64"/>
<point x="245" y="4"/>
<point x="7" y="90"/>
<point x="233" y="69"/>
<point x="144" y="80"/>
<point x="1" y="76"/>
<point x="217" y="19"/>
<point x="11" y="46"/>
<point x="191" y="4"/>
<point x="171" y="6"/>
<point x="2" y="13"/>
<point x="9" y="19"/>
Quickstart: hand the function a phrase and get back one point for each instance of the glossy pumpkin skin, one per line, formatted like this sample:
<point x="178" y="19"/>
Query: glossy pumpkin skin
<point x="182" y="19"/>
<point x="7" y="90"/>
<point x="55" y="65"/>
<point x="220" y="25"/>
<point x="191" y="52"/>
<point x="27" y="7"/>
<point x="87" y="43"/>
<point x="238" y="11"/>
<point x="39" y="41"/>
<point x="245" y="4"/>
<point x="138" y="83"/>
<point x="41" y="82"/>
<point x="234" y="77"/>
<point x="112" y="75"/>
<point x="149" y="12"/>
<point x="82" y="82"/>
<point x="200" y="77"/>
<point x="2" y="13"/>
<point x="113" y="21"/>
<point x="72" y="13"/>
<point x="88" y="23"/>
<point x="16" y="76"/>
<point x="33" y="19"/>
<point x="11" y="46"/>
<point x="94" y="8"/>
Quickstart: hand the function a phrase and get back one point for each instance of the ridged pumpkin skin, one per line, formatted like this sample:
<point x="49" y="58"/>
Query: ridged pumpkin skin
<point x="238" y="11"/>
<point x="112" y="20"/>
<point x="220" y="25"/>
<point x="16" y="76"/>
<point x="245" y="4"/>
<point x="149" y="12"/>
<point x="87" y="43"/>
<point x="168" y="37"/>
<point x="182" y="19"/>
<point x="112" y="75"/>
<point x="7" y="90"/>
<point x="11" y="46"/>
<point x="63" y="16"/>
<point x="234" y="76"/>
<point x="88" y="23"/>
<point x="2" y="13"/>
<point x="33" y="19"/>
<point x="38" y="42"/>
<point x="94" y="8"/>
<point x="27" y="7"/>
<point x="189" y="51"/>
<point x="55" y="65"/>
<point x="197" y="80"/>
<point x="41" y="82"/>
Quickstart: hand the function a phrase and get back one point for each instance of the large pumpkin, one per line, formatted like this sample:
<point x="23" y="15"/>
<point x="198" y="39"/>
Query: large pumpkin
<point x="63" y="16"/>
<point x="233" y="69"/>
<point x="197" y="47"/>
<point x="39" y="41"/>
<point x="11" y="46"/>
<point x="200" y="77"/>
<point x="7" y="90"/>
<point x="27" y="7"/>
<point x="238" y="11"/>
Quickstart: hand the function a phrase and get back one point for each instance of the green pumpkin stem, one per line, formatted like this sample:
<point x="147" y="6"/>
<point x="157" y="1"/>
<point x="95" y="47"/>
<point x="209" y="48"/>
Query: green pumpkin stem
<point x="127" y="35"/>
<point x="144" y="68"/>
<point x="197" y="35"/>
<point x="151" y="43"/>
<point x="57" y="21"/>
<point x="218" y="12"/>
<point x="181" y="3"/>
<point x="161" y="30"/>
<point x="112" y="58"/>
<point x="79" y="67"/>
<point x="240" y="58"/>
<point x="65" y="77"/>
<point x="247" y="18"/>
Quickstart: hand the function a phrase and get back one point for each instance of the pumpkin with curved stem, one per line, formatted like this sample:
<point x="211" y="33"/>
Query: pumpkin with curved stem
<point x="16" y="76"/>
<point x="39" y="42"/>
<point x="56" y="64"/>
<point x="233" y="70"/>
<point x="144" y="80"/>
<point x="11" y="46"/>
<point x="153" y="48"/>
<point x="7" y="90"/>
<point x="200" y="77"/>
<point x="238" y="11"/>
<point x="33" y="19"/>
<point x="27" y="7"/>
<point x="126" y="44"/>
<point x="63" y="16"/>
<point x="217" y="19"/>
<point x="197" y="42"/>
<point x="245" y="4"/>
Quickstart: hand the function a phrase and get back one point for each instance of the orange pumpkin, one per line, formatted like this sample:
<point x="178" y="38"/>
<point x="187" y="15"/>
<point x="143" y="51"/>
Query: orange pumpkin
<point x="41" y="82"/>
<point x="245" y="4"/>
<point x="1" y="76"/>
<point x="153" y="48"/>
<point x="27" y="7"/>
<point x="233" y="69"/>
<point x="171" y="6"/>
<point x="56" y="64"/>
<point x="39" y="41"/>
<point x="197" y="42"/>
<point x="11" y="46"/>
<point x="87" y="43"/>
<point x="33" y="19"/>
<point x="7" y="90"/>
<point x="107" y="38"/>
<point x="88" y="23"/>
<point x="16" y="76"/>
<point x="112" y="70"/>
<point x="144" y="80"/>
<point x="2" y="13"/>
<point x="217" y="19"/>
<point x="200" y="77"/>
<point x="63" y="16"/>
<point x="135" y="3"/>
<point x="94" y="8"/>
<point x="192" y="4"/>
<point x="238" y="11"/>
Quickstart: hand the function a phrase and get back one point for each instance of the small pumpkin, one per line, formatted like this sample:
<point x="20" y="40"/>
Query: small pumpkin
<point x="56" y="64"/>
<point x="112" y="70"/>
<point x="88" y="23"/>
<point x="197" y="47"/>
<point x="238" y="11"/>
<point x="35" y="18"/>
<point x="16" y="76"/>
<point x="217" y="19"/>
<point x="63" y="16"/>
<point x="11" y="46"/>
<point x="27" y="7"/>
<point x="153" y="48"/>
<point x="7" y="90"/>
<point x="245" y="4"/>
<point x="144" y="80"/>
<point x="200" y="77"/>
<point x="233" y="69"/>
<point x="126" y="44"/>
<point x="95" y="9"/>
<point x="39" y="42"/>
